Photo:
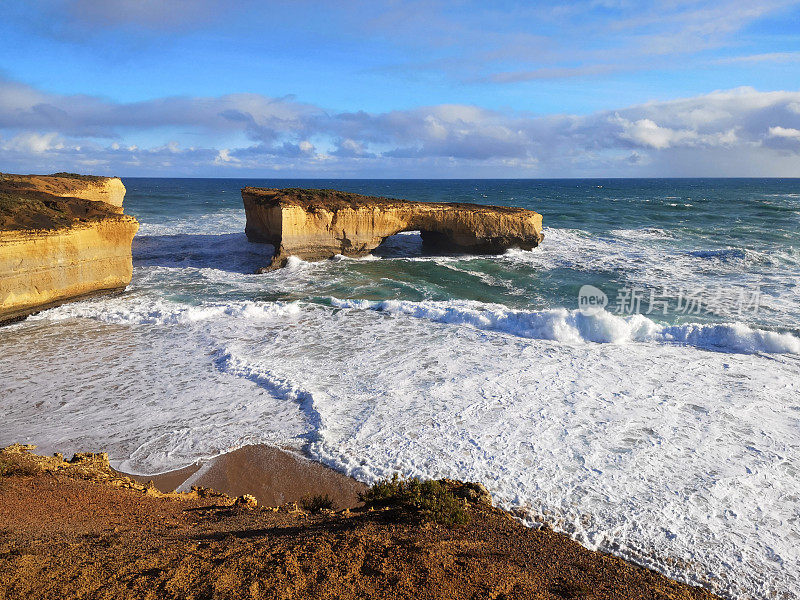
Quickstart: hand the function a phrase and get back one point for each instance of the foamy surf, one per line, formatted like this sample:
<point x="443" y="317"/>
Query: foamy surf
<point x="572" y="326"/>
<point x="146" y="311"/>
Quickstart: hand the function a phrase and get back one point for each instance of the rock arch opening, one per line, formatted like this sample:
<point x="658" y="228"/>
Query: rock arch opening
<point x="318" y="224"/>
<point x="403" y="244"/>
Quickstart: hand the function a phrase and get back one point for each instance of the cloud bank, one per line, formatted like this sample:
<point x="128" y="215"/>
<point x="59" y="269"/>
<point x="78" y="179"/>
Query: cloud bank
<point x="739" y="132"/>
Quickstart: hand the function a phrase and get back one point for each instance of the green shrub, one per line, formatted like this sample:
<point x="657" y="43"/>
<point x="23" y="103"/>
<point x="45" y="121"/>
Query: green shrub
<point x="384" y="491"/>
<point x="76" y="176"/>
<point x="317" y="503"/>
<point x="431" y="499"/>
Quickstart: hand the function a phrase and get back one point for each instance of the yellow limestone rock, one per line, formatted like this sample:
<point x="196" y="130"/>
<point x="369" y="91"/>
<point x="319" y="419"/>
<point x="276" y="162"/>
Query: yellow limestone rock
<point x="62" y="237"/>
<point x="318" y="224"/>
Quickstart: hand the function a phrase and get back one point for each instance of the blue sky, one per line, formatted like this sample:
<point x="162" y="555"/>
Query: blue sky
<point x="401" y="89"/>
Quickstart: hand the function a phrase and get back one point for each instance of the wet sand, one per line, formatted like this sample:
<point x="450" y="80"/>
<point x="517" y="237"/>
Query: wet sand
<point x="274" y="476"/>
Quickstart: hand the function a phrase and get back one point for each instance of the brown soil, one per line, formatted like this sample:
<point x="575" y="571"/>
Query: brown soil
<point x="79" y="530"/>
<point x="57" y="184"/>
<point x="167" y="482"/>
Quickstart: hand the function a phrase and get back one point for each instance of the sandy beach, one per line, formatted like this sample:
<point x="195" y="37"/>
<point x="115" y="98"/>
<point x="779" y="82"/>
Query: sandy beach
<point x="273" y="475"/>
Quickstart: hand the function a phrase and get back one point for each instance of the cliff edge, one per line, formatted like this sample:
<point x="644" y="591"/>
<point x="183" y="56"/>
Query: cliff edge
<point x="62" y="237"/>
<point x="77" y="529"/>
<point x="318" y="224"/>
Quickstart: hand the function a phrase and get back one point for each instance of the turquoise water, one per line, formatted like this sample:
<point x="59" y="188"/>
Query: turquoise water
<point x="670" y="439"/>
<point x="731" y="243"/>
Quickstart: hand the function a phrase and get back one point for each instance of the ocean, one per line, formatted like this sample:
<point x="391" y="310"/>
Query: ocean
<point x="660" y="422"/>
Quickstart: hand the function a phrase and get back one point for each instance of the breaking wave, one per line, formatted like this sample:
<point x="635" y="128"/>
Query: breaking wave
<point x="162" y="312"/>
<point x="572" y="326"/>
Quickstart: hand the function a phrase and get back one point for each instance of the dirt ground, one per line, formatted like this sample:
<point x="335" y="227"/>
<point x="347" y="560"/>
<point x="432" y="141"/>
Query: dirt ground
<point x="78" y="529"/>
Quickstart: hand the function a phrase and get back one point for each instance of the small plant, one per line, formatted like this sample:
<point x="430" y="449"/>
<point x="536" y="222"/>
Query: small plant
<point x="317" y="503"/>
<point x="431" y="499"/>
<point x="76" y="176"/>
<point x="383" y="492"/>
<point x="570" y="590"/>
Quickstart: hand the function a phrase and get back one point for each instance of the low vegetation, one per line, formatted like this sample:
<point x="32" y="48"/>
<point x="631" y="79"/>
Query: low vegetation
<point x="317" y="503"/>
<point x="77" y="176"/>
<point x="433" y="500"/>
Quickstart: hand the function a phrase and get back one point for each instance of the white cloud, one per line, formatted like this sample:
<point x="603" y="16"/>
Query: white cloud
<point x="224" y="157"/>
<point x="784" y="132"/>
<point x="648" y="134"/>
<point x="712" y="134"/>
<point x="553" y="73"/>
<point x="77" y="19"/>
<point x="777" y="57"/>
<point x="492" y="42"/>
<point x="350" y="148"/>
<point x="35" y="143"/>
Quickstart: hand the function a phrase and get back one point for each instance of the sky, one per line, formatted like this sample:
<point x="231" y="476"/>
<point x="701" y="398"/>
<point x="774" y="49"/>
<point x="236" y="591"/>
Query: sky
<point x="390" y="89"/>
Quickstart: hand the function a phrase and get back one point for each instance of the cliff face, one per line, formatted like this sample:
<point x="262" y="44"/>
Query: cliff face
<point x="56" y="247"/>
<point x="318" y="224"/>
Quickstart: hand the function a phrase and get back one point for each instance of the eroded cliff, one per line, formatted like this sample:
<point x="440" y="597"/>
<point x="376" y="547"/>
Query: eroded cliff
<point x="318" y="224"/>
<point x="62" y="237"/>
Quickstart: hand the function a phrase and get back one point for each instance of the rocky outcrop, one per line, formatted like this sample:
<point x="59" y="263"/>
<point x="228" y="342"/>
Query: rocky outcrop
<point x="318" y="224"/>
<point x="62" y="237"/>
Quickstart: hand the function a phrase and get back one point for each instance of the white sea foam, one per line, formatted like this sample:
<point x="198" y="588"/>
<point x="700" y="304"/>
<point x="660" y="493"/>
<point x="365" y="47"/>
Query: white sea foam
<point x="700" y="486"/>
<point x="216" y="222"/>
<point x="228" y="361"/>
<point x="648" y="257"/>
<point x="342" y="257"/>
<point x="145" y="311"/>
<point x="653" y="263"/>
<point x="230" y="251"/>
<point x="294" y="263"/>
<point x="643" y="233"/>
<point x="147" y="392"/>
<point x="572" y="326"/>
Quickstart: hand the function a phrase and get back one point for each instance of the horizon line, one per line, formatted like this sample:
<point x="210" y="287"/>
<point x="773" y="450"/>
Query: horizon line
<point x="772" y="177"/>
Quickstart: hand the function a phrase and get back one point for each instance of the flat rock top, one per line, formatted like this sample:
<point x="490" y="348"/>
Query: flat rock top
<point x="312" y="199"/>
<point x="57" y="184"/>
<point x="36" y="210"/>
<point x="42" y="201"/>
